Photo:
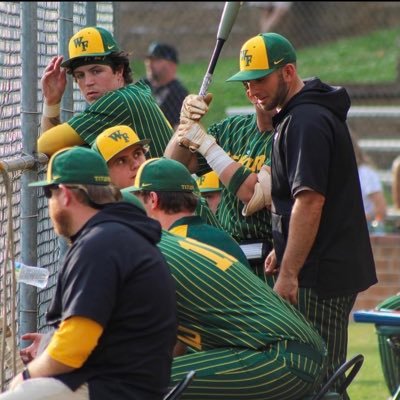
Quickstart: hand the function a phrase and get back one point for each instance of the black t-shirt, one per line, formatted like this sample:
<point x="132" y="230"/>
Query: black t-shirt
<point x="115" y="275"/>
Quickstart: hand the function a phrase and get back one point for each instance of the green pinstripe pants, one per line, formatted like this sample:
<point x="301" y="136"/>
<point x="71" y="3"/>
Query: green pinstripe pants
<point x="330" y="317"/>
<point x="277" y="373"/>
<point x="390" y="361"/>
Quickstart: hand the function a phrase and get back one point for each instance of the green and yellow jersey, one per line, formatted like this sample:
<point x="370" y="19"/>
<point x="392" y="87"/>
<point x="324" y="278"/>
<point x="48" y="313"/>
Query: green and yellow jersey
<point x="132" y="105"/>
<point x="244" y="143"/>
<point x="195" y="228"/>
<point x="222" y="303"/>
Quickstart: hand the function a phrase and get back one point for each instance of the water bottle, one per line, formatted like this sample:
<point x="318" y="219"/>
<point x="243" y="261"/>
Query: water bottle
<point x="35" y="276"/>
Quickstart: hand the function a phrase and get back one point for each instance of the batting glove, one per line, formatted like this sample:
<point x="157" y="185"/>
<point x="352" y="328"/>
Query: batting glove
<point x="195" y="138"/>
<point x="194" y="107"/>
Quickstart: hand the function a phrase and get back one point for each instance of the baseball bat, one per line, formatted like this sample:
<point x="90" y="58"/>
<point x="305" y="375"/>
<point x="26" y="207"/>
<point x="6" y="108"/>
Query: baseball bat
<point x="226" y="22"/>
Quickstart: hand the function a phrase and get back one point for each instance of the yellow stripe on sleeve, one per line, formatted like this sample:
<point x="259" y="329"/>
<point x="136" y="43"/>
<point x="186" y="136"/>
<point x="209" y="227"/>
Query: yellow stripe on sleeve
<point x="57" y="138"/>
<point x="73" y="342"/>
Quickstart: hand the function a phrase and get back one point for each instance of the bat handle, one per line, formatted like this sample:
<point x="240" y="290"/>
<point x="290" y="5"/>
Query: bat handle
<point x="211" y="66"/>
<point x="206" y="83"/>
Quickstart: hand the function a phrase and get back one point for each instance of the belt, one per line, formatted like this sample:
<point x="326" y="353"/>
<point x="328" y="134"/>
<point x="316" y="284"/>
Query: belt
<point x="306" y="350"/>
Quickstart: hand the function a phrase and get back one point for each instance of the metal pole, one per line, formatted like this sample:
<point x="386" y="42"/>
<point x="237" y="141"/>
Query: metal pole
<point x="116" y="20"/>
<point x="65" y="30"/>
<point x="66" y="23"/>
<point x="91" y="13"/>
<point x="29" y="127"/>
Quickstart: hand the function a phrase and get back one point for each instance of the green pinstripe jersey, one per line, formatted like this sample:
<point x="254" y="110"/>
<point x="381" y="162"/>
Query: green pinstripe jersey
<point x="241" y="139"/>
<point x="132" y="105"/>
<point x="221" y="303"/>
<point x="195" y="228"/>
<point x="204" y="211"/>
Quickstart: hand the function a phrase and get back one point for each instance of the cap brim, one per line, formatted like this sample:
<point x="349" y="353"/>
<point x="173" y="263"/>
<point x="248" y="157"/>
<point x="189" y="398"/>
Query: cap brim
<point x="143" y="142"/>
<point x="41" y="183"/>
<point x="211" y="190"/>
<point x="250" y="75"/>
<point x="67" y="63"/>
<point x="132" y="189"/>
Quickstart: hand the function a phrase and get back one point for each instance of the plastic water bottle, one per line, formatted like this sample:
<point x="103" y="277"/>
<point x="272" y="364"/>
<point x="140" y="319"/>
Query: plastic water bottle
<point x="35" y="276"/>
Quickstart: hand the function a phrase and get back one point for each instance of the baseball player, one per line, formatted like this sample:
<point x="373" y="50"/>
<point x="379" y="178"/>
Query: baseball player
<point x="210" y="188"/>
<point x="241" y="338"/>
<point x="167" y="191"/>
<point x="238" y="150"/>
<point x="101" y="70"/>
<point x="124" y="153"/>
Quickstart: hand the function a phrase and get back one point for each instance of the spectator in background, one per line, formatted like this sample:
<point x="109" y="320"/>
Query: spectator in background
<point x="161" y="75"/>
<point x="210" y="188"/>
<point x="371" y="189"/>
<point x="396" y="182"/>
<point x="271" y="13"/>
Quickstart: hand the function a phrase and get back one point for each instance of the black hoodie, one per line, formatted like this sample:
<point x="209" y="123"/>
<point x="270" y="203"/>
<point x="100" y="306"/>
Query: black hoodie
<point x="312" y="148"/>
<point x="115" y="275"/>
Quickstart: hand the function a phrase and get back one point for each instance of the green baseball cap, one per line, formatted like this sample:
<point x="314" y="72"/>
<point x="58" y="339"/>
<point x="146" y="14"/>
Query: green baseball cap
<point x="131" y="198"/>
<point x="92" y="42"/>
<point x="163" y="175"/>
<point x="263" y="54"/>
<point x="77" y="165"/>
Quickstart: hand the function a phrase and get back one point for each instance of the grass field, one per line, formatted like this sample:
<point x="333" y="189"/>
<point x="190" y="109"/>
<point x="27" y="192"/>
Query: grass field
<point x="369" y="383"/>
<point x="366" y="59"/>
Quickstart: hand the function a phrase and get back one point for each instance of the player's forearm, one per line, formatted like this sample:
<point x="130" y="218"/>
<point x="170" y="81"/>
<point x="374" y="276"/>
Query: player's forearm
<point x="43" y="365"/>
<point x="303" y="228"/>
<point x="50" y="116"/>
<point x="181" y="154"/>
<point x="47" y="123"/>
<point x="246" y="189"/>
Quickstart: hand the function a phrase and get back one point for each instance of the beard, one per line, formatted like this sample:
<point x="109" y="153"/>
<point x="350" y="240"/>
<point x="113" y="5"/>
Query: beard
<point x="62" y="223"/>
<point x="279" y="99"/>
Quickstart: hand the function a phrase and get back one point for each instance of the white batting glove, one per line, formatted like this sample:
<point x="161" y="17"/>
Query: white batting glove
<point x="194" y="107"/>
<point x="194" y="137"/>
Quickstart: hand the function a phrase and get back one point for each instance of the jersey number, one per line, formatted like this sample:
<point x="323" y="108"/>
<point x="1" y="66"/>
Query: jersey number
<point x="223" y="260"/>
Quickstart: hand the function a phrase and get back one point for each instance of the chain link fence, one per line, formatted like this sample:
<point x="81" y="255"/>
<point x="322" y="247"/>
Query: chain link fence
<point x="31" y="33"/>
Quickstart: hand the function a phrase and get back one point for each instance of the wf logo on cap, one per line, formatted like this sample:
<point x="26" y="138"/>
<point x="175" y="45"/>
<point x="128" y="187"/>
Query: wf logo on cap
<point x="201" y="179"/>
<point x="246" y="57"/>
<point x="117" y="135"/>
<point x="79" y="42"/>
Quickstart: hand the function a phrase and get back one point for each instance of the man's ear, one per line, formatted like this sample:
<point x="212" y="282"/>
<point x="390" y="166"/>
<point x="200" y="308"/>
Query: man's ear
<point x="154" y="200"/>
<point x="65" y="195"/>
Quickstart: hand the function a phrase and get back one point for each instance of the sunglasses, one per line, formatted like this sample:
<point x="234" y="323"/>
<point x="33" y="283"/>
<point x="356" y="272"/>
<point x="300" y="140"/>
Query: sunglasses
<point x="48" y="190"/>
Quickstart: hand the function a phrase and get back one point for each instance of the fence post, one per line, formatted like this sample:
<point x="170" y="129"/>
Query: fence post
<point x="91" y="13"/>
<point x="29" y="129"/>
